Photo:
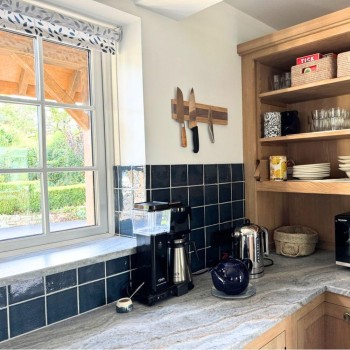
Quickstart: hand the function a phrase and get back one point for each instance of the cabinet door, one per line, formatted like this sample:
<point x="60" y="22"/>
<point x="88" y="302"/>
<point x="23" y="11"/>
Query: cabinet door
<point x="278" y="342"/>
<point x="277" y="337"/>
<point x="311" y="329"/>
<point x="337" y="329"/>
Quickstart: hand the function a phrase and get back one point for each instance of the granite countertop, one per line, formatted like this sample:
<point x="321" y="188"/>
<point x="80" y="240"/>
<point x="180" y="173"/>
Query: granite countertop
<point x="198" y="319"/>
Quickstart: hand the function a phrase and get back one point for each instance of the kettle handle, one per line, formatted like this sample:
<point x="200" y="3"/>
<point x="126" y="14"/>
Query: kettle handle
<point x="265" y="240"/>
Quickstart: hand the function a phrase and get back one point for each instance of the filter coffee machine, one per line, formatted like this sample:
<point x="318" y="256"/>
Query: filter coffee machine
<point x="161" y="229"/>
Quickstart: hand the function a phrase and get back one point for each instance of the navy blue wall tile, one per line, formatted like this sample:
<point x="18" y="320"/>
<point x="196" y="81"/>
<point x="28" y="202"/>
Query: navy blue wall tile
<point x="237" y="210"/>
<point x="211" y="215"/>
<point x="198" y="263"/>
<point x="226" y="225"/>
<point x="224" y="193"/>
<point x="91" y="296"/>
<point x="210" y="173"/>
<point x="211" y="194"/>
<point x="116" y="200"/>
<point x="125" y="223"/>
<point x="115" y="177"/>
<point x="196" y="196"/>
<point x="125" y="176"/>
<point x="180" y="194"/>
<point x="160" y="176"/>
<point x="237" y="172"/>
<point x="26" y="317"/>
<point x="117" y="265"/>
<point x="161" y="195"/>
<point x="224" y="172"/>
<point x="62" y="305"/>
<point x="3" y="297"/>
<point x="26" y="290"/>
<point x="225" y="212"/>
<point x="3" y="325"/>
<point x="197" y="220"/>
<point x="212" y="256"/>
<point x="117" y="287"/>
<point x="195" y="174"/>
<point x="237" y="191"/>
<point x="91" y="272"/>
<point x="126" y="200"/>
<point x="138" y="176"/>
<point x="148" y="177"/>
<point x="198" y="236"/>
<point x="178" y="175"/>
<point x="61" y="280"/>
<point x="209" y="232"/>
<point x="133" y="260"/>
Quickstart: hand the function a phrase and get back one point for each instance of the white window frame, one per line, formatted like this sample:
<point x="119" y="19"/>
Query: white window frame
<point x="102" y="94"/>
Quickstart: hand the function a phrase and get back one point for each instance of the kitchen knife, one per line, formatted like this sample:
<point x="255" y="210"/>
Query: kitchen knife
<point x="192" y="122"/>
<point x="180" y="116"/>
<point x="210" y="126"/>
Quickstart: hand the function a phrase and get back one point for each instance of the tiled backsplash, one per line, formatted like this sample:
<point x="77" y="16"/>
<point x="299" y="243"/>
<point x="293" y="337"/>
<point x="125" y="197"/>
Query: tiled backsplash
<point x="216" y="195"/>
<point x="42" y="301"/>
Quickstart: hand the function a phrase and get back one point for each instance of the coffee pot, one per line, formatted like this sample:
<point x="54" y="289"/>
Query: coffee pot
<point x="179" y="262"/>
<point x="252" y="242"/>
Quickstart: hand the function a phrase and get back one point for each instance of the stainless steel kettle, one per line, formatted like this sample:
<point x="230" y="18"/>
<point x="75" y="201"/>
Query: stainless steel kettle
<point x="253" y="244"/>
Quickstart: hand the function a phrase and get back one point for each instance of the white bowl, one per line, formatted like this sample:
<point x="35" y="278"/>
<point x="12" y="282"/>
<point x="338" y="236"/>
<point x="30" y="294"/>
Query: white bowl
<point x="344" y="161"/>
<point x="343" y="157"/>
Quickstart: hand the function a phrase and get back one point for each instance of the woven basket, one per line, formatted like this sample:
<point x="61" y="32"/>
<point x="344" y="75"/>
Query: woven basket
<point x="326" y="68"/>
<point x="295" y="241"/>
<point x="343" y="63"/>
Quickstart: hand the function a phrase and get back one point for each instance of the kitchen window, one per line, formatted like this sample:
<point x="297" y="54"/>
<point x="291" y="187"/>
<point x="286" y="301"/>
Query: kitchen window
<point x="53" y="172"/>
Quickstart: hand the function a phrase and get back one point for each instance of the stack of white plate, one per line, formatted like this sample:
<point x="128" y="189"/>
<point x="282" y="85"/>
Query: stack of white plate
<point x="312" y="171"/>
<point x="344" y="164"/>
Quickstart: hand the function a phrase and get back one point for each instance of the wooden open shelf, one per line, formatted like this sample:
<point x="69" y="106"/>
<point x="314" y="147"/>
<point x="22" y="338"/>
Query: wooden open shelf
<point x="336" y="186"/>
<point x="306" y="137"/>
<point x="312" y="91"/>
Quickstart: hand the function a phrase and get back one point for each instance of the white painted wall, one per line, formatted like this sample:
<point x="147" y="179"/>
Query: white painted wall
<point x="198" y="52"/>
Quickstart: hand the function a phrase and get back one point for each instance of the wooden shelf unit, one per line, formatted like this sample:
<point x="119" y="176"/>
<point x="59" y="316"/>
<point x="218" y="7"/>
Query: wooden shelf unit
<point x="313" y="91"/>
<point x="307" y="187"/>
<point x="311" y="203"/>
<point x="306" y="137"/>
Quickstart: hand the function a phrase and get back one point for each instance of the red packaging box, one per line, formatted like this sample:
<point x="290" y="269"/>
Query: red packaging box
<point x="309" y="58"/>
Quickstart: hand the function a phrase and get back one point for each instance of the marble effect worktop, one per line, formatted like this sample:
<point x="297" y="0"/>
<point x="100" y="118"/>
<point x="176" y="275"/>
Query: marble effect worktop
<point x="199" y="320"/>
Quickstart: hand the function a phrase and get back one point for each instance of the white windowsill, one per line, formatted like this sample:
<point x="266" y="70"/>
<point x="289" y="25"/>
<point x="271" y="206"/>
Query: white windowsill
<point x="54" y="260"/>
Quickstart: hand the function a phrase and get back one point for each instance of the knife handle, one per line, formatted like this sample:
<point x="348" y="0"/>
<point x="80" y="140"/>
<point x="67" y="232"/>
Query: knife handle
<point x="183" y="136"/>
<point x="195" y="139"/>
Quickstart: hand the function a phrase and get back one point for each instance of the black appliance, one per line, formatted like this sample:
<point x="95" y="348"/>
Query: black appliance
<point x="342" y="239"/>
<point x="155" y="256"/>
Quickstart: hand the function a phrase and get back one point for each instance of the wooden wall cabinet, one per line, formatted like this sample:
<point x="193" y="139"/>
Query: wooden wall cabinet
<point x="318" y="325"/>
<point x="311" y="203"/>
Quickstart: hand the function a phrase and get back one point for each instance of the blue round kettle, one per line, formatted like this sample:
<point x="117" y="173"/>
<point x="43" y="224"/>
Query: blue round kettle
<point x="232" y="276"/>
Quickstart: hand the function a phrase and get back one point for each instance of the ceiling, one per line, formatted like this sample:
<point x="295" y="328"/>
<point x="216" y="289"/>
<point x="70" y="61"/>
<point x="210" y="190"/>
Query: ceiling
<point x="277" y="14"/>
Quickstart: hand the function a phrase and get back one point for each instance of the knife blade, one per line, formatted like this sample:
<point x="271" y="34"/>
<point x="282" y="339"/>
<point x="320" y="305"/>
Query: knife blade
<point x="192" y="121"/>
<point x="180" y="116"/>
<point x="210" y="126"/>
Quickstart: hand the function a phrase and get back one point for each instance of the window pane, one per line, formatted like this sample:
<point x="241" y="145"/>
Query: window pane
<point x="66" y="73"/>
<point x="68" y="138"/>
<point x="17" y="68"/>
<point x="20" y="205"/>
<point x="19" y="136"/>
<point x="71" y="200"/>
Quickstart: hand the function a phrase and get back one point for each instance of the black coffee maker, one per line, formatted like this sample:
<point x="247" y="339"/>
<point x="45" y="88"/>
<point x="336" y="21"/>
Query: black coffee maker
<point x="158" y="241"/>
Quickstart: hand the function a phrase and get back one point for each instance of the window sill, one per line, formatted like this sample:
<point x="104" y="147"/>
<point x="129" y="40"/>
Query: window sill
<point x="46" y="262"/>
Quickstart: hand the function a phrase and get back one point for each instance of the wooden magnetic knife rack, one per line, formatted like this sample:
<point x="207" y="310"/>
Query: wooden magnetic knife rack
<point x="219" y="114"/>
